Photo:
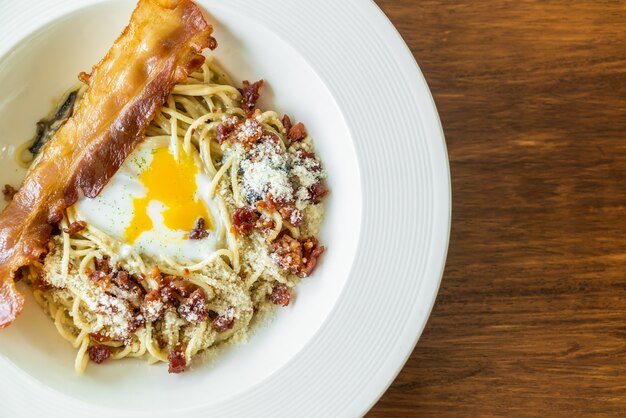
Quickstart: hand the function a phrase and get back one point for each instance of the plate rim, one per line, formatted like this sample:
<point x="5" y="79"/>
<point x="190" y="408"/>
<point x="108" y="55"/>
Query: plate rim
<point x="54" y="9"/>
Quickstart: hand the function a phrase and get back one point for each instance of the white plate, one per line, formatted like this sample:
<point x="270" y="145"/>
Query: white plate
<point x="341" y="68"/>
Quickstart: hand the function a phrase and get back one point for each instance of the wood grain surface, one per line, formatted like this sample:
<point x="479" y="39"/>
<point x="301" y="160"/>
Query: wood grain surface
<point x="531" y="316"/>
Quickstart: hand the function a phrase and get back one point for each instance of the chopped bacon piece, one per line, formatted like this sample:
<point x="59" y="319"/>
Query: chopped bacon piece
<point x="161" y="45"/>
<point x="167" y="294"/>
<point x="296" y="256"/>
<point x="223" y="322"/>
<point x="270" y="137"/>
<point x="129" y="289"/>
<point x="157" y="301"/>
<point x="8" y="192"/>
<point x="100" y="278"/>
<point x="249" y="132"/>
<point x="199" y="232"/>
<point x="287" y="253"/>
<point x="292" y="215"/>
<point x="268" y="203"/>
<point x="311" y="252"/>
<point x="75" y="227"/>
<point x="177" y="361"/>
<point x="280" y="295"/>
<point x="265" y="224"/>
<point x="212" y="43"/>
<point x="136" y="321"/>
<point x="153" y="306"/>
<point x="317" y="192"/>
<point x="223" y="131"/>
<point x="244" y="220"/>
<point x="99" y="353"/>
<point x="122" y="279"/>
<point x="287" y="123"/>
<point x="194" y="308"/>
<point x="183" y="287"/>
<point x="102" y="264"/>
<point x="314" y="166"/>
<point x="297" y="132"/>
<point x="250" y="94"/>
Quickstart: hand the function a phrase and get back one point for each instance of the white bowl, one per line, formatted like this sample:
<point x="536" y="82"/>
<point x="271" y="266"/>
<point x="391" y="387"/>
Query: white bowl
<point x="374" y="124"/>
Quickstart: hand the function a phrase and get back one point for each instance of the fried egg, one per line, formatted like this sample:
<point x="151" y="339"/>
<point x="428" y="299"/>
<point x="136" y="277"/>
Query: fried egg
<point x="154" y="201"/>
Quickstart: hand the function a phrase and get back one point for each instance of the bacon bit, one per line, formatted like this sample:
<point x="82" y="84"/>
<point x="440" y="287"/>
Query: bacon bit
<point x="311" y="251"/>
<point x="186" y="271"/>
<point x="287" y="123"/>
<point x="98" y="337"/>
<point x="183" y="287"/>
<point x="265" y="224"/>
<point x="280" y="295"/>
<point x="222" y="323"/>
<point x="292" y="215"/>
<point x="287" y="210"/>
<point x="244" y="220"/>
<point x="297" y="132"/>
<point x="177" y="361"/>
<point x="99" y="353"/>
<point x="199" y="232"/>
<point x="157" y="301"/>
<point x="296" y="256"/>
<point x="8" y="192"/>
<point x="270" y="137"/>
<point x="84" y="77"/>
<point x="167" y="295"/>
<point x="274" y="203"/>
<point x="249" y="132"/>
<point x="75" y="227"/>
<point x="266" y="204"/>
<point x="250" y="94"/>
<point x="100" y="278"/>
<point x="153" y="306"/>
<point x="223" y="131"/>
<point x="194" y="309"/>
<point x="124" y="281"/>
<point x="303" y="155"/>
<point x="317" y="192"/>
<point x="212" y="43"/>
<point x="165" y="281"/>
<point x="287" y="253"/>
<point x="102" y="264"/>
<point x="136" y="321"/>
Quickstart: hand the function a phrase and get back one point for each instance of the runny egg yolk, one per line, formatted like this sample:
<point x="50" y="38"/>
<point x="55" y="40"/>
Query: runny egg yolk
<point x="172" y="183"/>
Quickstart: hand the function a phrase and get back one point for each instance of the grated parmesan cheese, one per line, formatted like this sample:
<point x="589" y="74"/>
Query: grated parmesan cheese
<point x="266" y="172"/>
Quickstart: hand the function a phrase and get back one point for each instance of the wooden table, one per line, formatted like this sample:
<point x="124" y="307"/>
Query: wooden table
<point x="531" y="316"/>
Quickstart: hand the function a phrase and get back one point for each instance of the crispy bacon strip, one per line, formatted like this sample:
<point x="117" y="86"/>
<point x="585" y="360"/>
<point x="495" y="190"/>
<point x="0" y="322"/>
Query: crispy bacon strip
<point x="160" y="46"/>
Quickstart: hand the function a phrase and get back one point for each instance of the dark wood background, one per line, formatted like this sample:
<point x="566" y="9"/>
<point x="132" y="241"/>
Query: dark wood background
<point x="531" y="316"/>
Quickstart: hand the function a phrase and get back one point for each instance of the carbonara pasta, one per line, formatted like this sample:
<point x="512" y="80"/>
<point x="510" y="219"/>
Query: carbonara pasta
<point x="255" y="211"/>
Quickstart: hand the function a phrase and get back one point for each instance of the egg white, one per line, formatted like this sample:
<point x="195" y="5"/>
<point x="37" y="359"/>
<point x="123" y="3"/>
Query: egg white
<point x="112" y="211"/>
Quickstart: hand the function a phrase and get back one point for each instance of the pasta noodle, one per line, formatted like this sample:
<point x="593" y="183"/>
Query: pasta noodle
<point x="248" y="276"/>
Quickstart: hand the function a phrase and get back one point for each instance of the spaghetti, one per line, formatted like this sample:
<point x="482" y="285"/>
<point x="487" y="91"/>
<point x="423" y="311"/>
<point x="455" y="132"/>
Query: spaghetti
<point x="112" y="301"/>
